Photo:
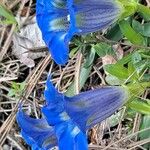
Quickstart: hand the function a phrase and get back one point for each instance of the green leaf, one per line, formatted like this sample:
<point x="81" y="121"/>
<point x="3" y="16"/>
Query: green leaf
<point x="126" y="59"/>
<point x="132" y="72"/>
<point x="22" y="86"/>
<point x="140" y="106"/>
<point x="140" y="61"/>
<point x="15" y="86"/>
<point x="146" y="134"/>
<point x="141" y="66"/>
<point x="130" y="8"/>
<point x="131" y="34"/>
<point x="11" y="93"/>
<point x="84" y="74"/>
<point x="73" y="51"/>
<point x="103" y="49"/>
<point x="115" y="119"/>
<point x="114" y="33"/>
<point x="143" y="29"/>
<point x="117" y="70"/>
<point x="136" y="57"/>
<point x="7" y="14"/>
<point x="16" y="89"/>
<point x="144" y="10"/>
<point x="112" y="80"/>
<point x="90" y="58"/>
<point x="146" y="77"/>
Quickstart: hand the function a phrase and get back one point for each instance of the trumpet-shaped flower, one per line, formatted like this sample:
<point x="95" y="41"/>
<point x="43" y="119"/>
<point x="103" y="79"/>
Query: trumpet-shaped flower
<point x="60" y="20"/>
<point x="67" y="118"/>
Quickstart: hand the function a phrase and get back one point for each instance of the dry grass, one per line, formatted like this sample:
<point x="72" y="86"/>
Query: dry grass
<point x="11" y="70"/>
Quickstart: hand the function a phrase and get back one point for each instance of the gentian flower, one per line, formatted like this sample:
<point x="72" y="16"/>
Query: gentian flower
<point x="60" y="20"/>
<point x="67" y="118"/>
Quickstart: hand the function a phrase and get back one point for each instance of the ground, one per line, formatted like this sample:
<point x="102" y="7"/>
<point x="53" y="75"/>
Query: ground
<point x="24" y="69"/>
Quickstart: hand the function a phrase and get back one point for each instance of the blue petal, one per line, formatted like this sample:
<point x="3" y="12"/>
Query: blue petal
<point x="54" y="110"/>
<point x="70" y="137"/>
<point x="94" y="15"/>
<point x="60" y="46"/>
<point x="85" y="110"/>
<point x="60" y="20"/>
<point x="55" y="4"/>
<point x="68" y="133"/>
<point x="50" y="6"/>
<point x="51" y="94"/>
<point x="94" y="106"/>
<point x="36" y="132"/>
<point x="54" y="24"/>
<point x="31" y="142"/>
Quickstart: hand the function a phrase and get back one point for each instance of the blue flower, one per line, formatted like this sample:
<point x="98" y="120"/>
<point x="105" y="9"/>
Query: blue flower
<point x="60" y="20"/>
<point x="36" y="132"/>
<point x="67" y="118"/>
